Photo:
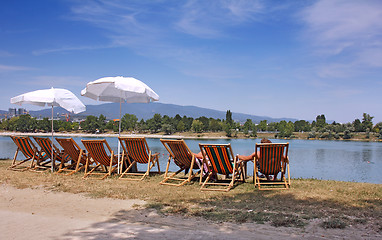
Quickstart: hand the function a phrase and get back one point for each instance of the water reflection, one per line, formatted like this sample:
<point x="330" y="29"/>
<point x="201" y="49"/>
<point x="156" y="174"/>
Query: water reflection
<point x="332" y="160"/>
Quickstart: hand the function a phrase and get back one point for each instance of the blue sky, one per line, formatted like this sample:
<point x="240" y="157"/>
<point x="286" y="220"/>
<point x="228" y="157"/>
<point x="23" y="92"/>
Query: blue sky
<point x="296" y="59"/>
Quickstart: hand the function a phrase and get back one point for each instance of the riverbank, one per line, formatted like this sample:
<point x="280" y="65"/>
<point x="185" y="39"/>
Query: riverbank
<point x="113" y="209"/>
<point x="190" y="135"/>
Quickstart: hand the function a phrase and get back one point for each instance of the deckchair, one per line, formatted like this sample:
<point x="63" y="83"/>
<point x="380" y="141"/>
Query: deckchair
<point x="31" y="153"/>
<point x="220" y="160"/>
<point x="136" y="150"/>
<point x="46" y="146"/>
<point x="97" y="151"/>
<point x="77" y="155"/>
<point x="271" y="159"/>
<point x="183" y="158"/>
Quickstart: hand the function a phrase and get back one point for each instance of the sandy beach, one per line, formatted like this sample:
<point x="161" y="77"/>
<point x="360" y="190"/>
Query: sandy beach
<point x="44" y="214"/>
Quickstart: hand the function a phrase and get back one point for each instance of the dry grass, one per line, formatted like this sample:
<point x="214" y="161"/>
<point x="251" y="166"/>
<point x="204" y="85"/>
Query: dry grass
<point x="335" y="204"/>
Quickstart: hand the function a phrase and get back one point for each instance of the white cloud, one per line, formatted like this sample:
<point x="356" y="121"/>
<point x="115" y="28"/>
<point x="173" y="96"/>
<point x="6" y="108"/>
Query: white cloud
<point x="67" y="49"/>
<point x="7" y="68"/>
<point x="5" y="54"/>
<point x="342" y="26"/>
<point x="207" y="19"/>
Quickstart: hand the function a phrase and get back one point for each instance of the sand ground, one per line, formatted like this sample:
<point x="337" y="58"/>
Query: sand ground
<point x="43" y="214"/>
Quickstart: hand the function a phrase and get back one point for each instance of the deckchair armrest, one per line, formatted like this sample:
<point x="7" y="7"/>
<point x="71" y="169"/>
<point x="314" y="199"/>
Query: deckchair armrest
<point x="155" y="154"/>
<point x="286" y="160"/>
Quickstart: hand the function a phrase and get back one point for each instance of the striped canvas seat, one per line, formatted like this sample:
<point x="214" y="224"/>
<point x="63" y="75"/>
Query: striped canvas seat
<point x="46" y="146"/>
<point x="271" y="159"/>
<point x="78" y="155"/>
<point x="220" y="161"/>
<point x="97" y="151"/>
<point x="183" y="158"/>
<point x="136" y="150"/>
<point x="26" y="146"/>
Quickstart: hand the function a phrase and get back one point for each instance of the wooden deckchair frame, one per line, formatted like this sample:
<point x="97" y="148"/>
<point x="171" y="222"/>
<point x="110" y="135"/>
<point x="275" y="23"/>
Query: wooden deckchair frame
<point x="77" y="154"/>
<point x="46" y="146"/>
<point x="98" y="155"/>
<point x="183" y="158"/>
<point x="30" y="151"/>
<point x="136" y="150"/>
<point x="271" y="159"/>
<point x="218" y="158"/>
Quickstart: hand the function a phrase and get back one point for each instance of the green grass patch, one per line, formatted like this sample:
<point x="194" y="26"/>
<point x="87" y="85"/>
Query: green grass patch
<point x="307" y="199"/>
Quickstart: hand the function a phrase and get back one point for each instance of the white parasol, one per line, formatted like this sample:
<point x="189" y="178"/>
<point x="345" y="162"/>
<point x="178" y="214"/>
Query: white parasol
<point x="119" y="89"/>
<point x="55" y="97"/>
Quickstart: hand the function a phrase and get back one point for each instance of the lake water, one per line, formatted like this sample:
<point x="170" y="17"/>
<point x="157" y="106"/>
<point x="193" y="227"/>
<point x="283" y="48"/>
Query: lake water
<point x="328" y="160"/>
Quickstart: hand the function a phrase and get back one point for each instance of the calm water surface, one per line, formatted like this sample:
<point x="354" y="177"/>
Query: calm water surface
<point x="328" y="160"/>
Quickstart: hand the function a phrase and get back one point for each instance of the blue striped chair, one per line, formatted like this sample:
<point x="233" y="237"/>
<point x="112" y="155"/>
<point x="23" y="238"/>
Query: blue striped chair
<point x="183" y="158"/>
<point x="271" y="159"/>
<point x="136" y="150"/>
<point x="220" y="161"/>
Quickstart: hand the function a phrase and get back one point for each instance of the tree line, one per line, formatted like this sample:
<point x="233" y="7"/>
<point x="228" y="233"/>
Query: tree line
<point x="170" y="125"/>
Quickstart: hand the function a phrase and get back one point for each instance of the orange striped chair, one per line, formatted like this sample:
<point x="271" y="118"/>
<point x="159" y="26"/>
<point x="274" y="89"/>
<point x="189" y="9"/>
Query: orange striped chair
<point x="183" y="158"/>
<point x="31" y="153"/>
<point x="96" y="151"/>
<point x="271" y="159"/>
<point x="220" y="161"/>
<point x="136" y="150"/>
<point x="46" y="146"/>
<point x="77" y="155"/>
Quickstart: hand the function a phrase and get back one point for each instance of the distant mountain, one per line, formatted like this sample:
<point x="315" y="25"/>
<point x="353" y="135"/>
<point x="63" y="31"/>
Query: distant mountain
<point x="146" y="111"/>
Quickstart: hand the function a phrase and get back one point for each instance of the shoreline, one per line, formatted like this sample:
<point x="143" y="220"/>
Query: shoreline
<point x="109" y="135"/>
<point x="187" y="135"/>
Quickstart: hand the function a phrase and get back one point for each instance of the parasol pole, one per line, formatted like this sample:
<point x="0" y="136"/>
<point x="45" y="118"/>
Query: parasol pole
<point x="119" y="134"/>
<point x="52" y="158"/>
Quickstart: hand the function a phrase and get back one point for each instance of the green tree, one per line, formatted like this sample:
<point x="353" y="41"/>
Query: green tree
<point x="302" y="126"/>
<point x="101" y="123"/>
<point x="75" y="126"/>
<point x="320" y="121"/>
<point x="129" y="122"/>
<point x="25" y="123"/>
<point x="142" y="126"/>
<point x="215" y="125"/>
<point x="65" y="126"/>
<point x="227" y="129"/>
<point x="228" y="118"/>
<point x="90" y="124"/>
<point x="154" y="124"/>
<point x="167" y="128"/>
<point x="205" y="121"/>
<point x="367" y="122"/>
<point x="247" y="126"/>
<point x="180" y="127"/>
<point x="187" y="123"/>
<point x="253" y="131"/>
<point x="378" y="127"/>
<point x="197" y="126"/>
<point x="357" y="125"/>
<point x="262" y="125"/>
<point x="285" y="129"/>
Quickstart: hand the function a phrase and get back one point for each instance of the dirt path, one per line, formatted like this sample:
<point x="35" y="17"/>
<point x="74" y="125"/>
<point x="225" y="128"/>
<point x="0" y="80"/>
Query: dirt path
<point x="42" y="214"/>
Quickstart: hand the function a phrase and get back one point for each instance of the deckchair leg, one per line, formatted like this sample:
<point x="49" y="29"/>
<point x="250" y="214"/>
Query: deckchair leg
<point x="14" y="164"/>
<point x="127" y="169"/>
<point x="157" y="162"/>
<point x="168" y="165"/>
<point x="91" y="171"/>
<point x="205" y="182"/>
<point x="14" y="158"/>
